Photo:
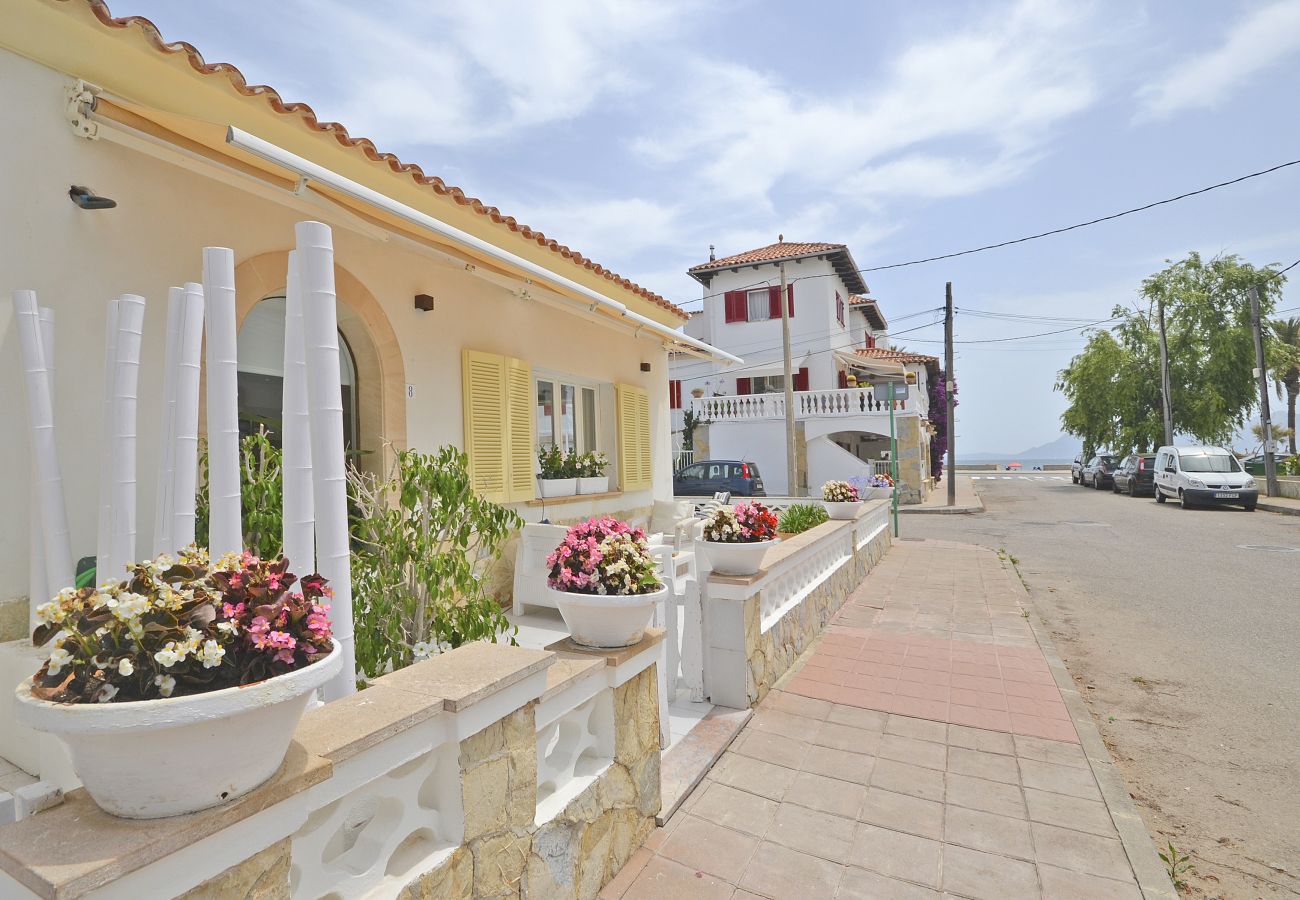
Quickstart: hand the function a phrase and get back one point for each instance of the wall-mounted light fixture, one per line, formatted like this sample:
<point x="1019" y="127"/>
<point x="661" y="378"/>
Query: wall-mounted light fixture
<point x="424" y="302"/>
<point x="88" y="199"/>
<point x="645" y="367"/>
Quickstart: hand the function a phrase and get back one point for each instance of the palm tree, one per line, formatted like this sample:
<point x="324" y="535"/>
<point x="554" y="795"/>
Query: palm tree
<point x="1287" y="332"/>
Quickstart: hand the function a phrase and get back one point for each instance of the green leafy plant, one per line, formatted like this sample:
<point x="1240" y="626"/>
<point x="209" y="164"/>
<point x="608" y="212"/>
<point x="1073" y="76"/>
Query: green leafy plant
<point x="422" y="540"/>
<point x="591" y="465"/>
<point x="1177" y="864"/>
<point x="802" y="516"/>
<point x="262" y="495"/>
<point x="557" y="463"/>
<point x="690" y="422"/>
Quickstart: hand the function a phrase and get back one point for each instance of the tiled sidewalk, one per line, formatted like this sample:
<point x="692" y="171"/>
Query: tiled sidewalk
<point x="852" y="790"/>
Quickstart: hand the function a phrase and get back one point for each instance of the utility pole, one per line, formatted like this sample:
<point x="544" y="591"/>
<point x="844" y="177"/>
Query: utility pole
<point x="1164" y="376"/>
<point x="949" y="385"/>
<point x="1265" y="418"/>
<point x="791" y="464"/>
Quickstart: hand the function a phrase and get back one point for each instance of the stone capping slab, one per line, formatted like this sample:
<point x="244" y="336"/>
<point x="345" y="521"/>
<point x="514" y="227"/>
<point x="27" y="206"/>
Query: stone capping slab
<point x="346" y="727"/>
<point x="567" y="671"/>
<point x="75" y="848"/>
<point x="615" y="656"/>
<point x="468" y="674"/>
<point x="787" y="548"/>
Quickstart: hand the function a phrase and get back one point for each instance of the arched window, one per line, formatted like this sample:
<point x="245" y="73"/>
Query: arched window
<point x="261" y="374"/>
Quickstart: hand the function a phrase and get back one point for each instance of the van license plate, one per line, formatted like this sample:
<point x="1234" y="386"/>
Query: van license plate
<point x="1224" y="495"/>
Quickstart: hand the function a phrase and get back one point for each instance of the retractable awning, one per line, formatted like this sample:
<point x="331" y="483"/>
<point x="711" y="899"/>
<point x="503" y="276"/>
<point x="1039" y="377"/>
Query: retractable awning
<point x="878" y="368"/>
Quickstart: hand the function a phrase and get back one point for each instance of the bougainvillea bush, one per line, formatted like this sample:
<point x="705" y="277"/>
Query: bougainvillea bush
<point x="839" y="492"/>
<point x="603" y="556"/>
<point x="179" y="626"/>
<point x="744" y="523"/>
<point x="938" y="416"/>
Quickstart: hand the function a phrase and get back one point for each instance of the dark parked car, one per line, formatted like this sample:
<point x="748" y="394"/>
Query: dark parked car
<point x="1099" y="472"/>
<point x="704" y="479"/>
<point x="1076" y="467"/>
<point x="1136" y="475"/>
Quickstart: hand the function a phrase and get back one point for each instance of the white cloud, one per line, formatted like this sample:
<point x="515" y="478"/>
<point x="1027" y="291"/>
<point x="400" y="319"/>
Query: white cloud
<point x="601" y="228"/>
<point x="1259" y="40"/>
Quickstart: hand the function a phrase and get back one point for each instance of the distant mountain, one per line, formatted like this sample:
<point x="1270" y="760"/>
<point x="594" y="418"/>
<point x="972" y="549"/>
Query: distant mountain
<point x="1064" y="447"/>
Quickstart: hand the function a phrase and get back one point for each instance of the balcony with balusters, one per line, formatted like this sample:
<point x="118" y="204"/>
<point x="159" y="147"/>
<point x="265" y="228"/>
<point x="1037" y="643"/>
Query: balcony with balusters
<point x="845" y="403"/>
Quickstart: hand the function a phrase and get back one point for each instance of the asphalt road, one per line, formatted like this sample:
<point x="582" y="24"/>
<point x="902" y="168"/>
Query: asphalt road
<point x="1187" y="647"/>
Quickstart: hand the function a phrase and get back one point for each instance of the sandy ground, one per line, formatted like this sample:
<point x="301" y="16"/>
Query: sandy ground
<point x="1187" y="647"/>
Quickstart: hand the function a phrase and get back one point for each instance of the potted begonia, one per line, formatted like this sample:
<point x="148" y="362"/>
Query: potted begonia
<point x="735" y="538"/>
<point x="841" y="499"/>
<point x="591" y="473"/>
<point x="558" y="476"/>
<point x="179" y="687"/>
<point x="604" y="582"/>
<point x="877" y="486"/>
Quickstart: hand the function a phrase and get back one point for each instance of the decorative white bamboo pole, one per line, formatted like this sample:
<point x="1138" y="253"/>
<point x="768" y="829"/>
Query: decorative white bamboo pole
<point x="299" y="512"/>
<point x="38" y="589"/>
<point x="105" y="527"/>
<point x="185" y="423"/>
<point x="329" y="480"/>
<point x="126" y="393"/>
<point x="162" y="515"/>
<point x="40" y="416"/>
<point x="225" y="527"/>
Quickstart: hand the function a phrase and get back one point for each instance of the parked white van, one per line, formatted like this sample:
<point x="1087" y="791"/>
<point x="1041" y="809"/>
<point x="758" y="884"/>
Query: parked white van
<point x="1203" y="475"/>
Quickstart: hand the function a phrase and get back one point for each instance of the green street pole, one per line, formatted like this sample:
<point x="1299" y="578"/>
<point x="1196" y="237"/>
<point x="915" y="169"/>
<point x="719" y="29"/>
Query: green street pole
<point x="893" y="457"/>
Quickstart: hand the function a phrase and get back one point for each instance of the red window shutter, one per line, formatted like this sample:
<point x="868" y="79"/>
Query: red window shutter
<point x="735" y="306"/>
<point x="839" y="308"/>
<point x="774" y="302"/>
<point x="789" y="290"/>
<point x="674" y="394"/>
<point x="801" y="379"/>
<point x="742" y="385"/>
<point x="844" y="379"/>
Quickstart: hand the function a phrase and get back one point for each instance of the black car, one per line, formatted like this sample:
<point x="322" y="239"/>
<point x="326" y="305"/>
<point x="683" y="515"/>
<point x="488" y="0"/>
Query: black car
<point x="1099" y="472"/>
<point x="1135" y="475"/>
<point x="738" y="477"/>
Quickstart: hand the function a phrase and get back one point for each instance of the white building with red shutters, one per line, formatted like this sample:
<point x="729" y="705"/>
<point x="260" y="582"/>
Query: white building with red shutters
<point x="840" y="352"/>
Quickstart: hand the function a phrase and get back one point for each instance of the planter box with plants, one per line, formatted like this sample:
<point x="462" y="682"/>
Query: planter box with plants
<point x="591" y="468"/>
<point x="179" y="688"/>
<point x="605" y="583"/>
<point x="735" y="538"/>
<point x="558" y="472"/>
<point x="801" y="517"/>
<point x="841" y="499"/>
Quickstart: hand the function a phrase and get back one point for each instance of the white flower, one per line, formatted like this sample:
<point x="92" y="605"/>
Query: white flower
<point x="228" y="627"/>
<point x="106" y="693"/>
<point x="49" y="613"/>
<point x="58" y="659"/>
<point x="170" y="655"/>
<point x="421" y="650"/>
<point x="125" y="667"/>
<point x="166" y="684"/>
<point x="136" y="629"/>
<point x="211" y="654"/>
<point x="129" y="606"/>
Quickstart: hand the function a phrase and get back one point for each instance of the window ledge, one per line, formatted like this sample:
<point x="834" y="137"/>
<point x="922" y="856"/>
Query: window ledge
<point x="572" y="498"/>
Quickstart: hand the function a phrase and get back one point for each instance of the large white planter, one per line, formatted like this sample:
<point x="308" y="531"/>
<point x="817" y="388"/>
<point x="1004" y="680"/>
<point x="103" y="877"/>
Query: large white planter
<point x="147" y="759"/>
<point x="847" y="510"/>
<point x="736" y="559"/>
<point x="876" y="493"/>
<point x="606" y="621"/>
<point x="596" y="484"/>
<point x="558" y="487"/>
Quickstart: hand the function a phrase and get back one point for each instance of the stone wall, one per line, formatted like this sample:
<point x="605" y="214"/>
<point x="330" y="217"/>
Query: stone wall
<point x="263" y="877"/>
<point x="772" y="652"/>
<point x="1286" y="486"/>
<point x="575" y="854"/>
<point x="913" y="473"/>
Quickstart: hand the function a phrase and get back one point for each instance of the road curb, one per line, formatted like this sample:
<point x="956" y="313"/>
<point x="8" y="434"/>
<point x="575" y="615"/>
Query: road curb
<point x="1276" y="508"/>
<point x="1138" y="845"/>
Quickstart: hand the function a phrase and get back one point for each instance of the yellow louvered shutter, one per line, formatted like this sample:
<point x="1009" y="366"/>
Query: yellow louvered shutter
<point x="634" y="464"/>
<point x="520" y="425"/>
<point x="484" y="383"/>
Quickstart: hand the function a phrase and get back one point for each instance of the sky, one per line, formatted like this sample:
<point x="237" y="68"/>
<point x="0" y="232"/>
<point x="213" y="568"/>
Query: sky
<point x="639" y="133"/>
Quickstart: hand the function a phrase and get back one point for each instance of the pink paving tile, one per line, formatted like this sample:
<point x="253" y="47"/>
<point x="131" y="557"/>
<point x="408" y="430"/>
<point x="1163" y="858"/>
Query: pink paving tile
<point x="924" y="676"/>
<point x="837" y="650"/>
<point x="839" y="663"/>
<point x="862" y="699"/>
<point x="992" y="700"/>
<point x="922" y="691"/>
<point x="868" y="682"/>
<point x="1032" y="691"/>
<point x="919" y="709"/>
<point x="830" y="676"/>
<point x="967" y="697"/>
<point x="1032" y="676"/>
<point x="1052" y="709"/>
<point x="1024" y="706"/>
<point x="807" y="688"/>
<point x="1051" y="729"/>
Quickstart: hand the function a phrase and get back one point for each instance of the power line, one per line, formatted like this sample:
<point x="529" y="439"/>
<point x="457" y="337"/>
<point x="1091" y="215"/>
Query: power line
<point x="1023" y="337"/>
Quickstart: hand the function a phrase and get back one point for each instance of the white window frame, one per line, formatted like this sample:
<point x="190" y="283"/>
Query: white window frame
<point x="765" y="306"/>
<point x="557" y="381"/>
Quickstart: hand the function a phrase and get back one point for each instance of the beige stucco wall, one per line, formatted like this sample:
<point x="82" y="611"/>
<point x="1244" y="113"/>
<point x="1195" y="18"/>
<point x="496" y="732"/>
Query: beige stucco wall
<point x="77" y="260"/>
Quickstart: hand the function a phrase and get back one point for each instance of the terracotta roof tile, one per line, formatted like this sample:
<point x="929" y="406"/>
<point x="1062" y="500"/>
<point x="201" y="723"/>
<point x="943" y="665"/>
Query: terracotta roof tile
<point x="871" y="309"/>
<point x="307" y="116"/>
<point x="770" y="253"/>
<point x="902" y="356"/>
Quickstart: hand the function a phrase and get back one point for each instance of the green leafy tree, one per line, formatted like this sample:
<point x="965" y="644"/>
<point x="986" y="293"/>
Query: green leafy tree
<point x="1286" y="375"/>
<point x="423" y="539"/>
<point x="1114" y="385"/>
<point x="261" y="496"/>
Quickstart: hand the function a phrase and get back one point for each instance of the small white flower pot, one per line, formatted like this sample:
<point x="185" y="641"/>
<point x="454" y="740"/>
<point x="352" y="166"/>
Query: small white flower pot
<point x="605" y="621"/>
<point x="736" y="559"/>
<point x="146" y="759"/>
<point x="558" y="487"/>
<point x="596" y="484"/>
<point x="847" y="510"/>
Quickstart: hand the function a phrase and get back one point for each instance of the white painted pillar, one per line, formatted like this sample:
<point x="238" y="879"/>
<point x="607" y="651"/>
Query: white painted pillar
<point x="329" y="480"/>
<point x="103" y="533"/>
<point x="225" y="525"/>
<point x="126" y="393"/>
<point x="185" y="467"/>
<point x="162" y="510"/>
<point x="299" y="510"/>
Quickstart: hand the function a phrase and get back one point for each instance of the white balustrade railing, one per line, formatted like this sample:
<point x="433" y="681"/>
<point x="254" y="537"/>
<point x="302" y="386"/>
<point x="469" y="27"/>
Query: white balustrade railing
<point x="798" y="575"/>
<point x="807" y="404"/>
<point x="573" y="750"/>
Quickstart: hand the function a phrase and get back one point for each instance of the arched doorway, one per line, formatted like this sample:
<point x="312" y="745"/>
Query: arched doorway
<point x="378" y="372"/>
<point x="261" y="375"/>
